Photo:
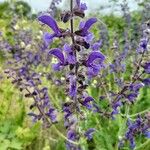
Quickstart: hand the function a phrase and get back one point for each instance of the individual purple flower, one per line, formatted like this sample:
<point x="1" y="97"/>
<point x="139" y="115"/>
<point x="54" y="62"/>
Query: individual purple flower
<point x="146" y="81"/>
<point x="142" y="46"/>
<point x="132" y="96"/>
<point x="115" y="107"/>
<point x="147" y="134"/>
<point x="136" y="87"/>
<point x="35" y="117"/>
<point x="96" y="108"/>
<point x="87" y="103"/>
<point x="89" y="133"/>
<point x="81" y="6"/>
<point x="94" y="63"/>
<point x="96" y="46"/>
<point x="84" y="31"/>
<point x="147" y="67"/>
<point x="60" y="56"/>
<point x="67" y="111"/>
<point x="48" y="38"/>
<point x="72" y="86"/>
<point x="49" y="21"/>
<point x="72" y="135"/>
<point x="70" y="57"/>
<point x="52" y="114"/>
<point x="36" y="59"/>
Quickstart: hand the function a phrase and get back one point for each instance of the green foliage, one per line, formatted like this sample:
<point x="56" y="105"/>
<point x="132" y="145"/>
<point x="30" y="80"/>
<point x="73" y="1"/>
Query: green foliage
<point x="22" y="8"/>
<point x="15" y="133"/>
<point x="14" y="8"/>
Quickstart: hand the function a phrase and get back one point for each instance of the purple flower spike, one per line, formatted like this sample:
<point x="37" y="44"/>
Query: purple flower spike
<point x="48" y="20"/>
<point x="57" y="53"/>
<point x="89" y="133"/>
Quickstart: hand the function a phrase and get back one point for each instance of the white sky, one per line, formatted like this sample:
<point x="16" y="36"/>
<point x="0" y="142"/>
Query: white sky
<point x="40" y="5"/>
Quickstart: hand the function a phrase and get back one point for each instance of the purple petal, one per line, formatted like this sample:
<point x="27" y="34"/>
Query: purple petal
<point x="71" y="135"/>
<point x="57" y="67"/>
<point x="70" y="55"/>
<point x="57" y="53"/>
<point x="48" y="20"/>
<point x="88" y="99"/>
<point x="96" y="46"/>
<point x="52" y="114"/>
<point x="89" y="23"/>
<point x="73" y="86"/>
<point x="89" y="37"/>
<point x="78" y="3"/>
<point x="81" y="25"/>
<point x="132" y="96"/>
<point x="67" y="48"/>
<point x="89" y="133"/>
<point x="48" y="37"/>
<point x="93" y="56"/>
<point x="83" y="6"/>
<point x="147" y="67"/>
<point x="147" y="134"/>
<point x="146" y="81"/>
<point x="71" y="58"/>
<point x="85" y="26"/>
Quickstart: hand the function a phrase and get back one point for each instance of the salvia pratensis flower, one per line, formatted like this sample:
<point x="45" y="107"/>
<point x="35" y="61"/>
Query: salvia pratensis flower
<point x="79" y="9"/>
<point x="89" y="133"/>
<point x="94" y="63"/>
<point x="59" y="55"/>
<point x="146" y="81"/>
<point x="147" y="67"/>
<point x="87" y="103"/>
<point x="84" y="31"/>
<point x="49" y="21"/>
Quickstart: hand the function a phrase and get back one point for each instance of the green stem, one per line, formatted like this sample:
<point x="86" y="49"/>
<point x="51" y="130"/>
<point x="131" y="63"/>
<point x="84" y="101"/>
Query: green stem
<point x="140" y="113"/>
<point x="134" y="115"/>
